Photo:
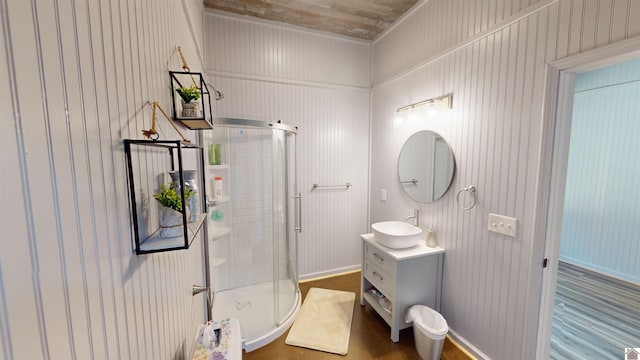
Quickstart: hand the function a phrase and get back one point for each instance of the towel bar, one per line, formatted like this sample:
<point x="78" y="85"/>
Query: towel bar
<point x="347" y="185"/>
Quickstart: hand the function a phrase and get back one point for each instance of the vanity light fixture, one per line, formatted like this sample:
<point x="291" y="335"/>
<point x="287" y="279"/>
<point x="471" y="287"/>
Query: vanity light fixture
<point x="444" y="101"/>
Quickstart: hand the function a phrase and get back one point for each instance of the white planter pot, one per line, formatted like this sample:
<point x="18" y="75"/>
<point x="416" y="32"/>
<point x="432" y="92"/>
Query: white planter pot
<point x="190" y="109"/>
<point x="170" y="222"/>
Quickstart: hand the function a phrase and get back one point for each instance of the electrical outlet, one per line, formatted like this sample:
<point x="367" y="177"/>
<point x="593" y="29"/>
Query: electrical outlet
<point x="503" y="225"/>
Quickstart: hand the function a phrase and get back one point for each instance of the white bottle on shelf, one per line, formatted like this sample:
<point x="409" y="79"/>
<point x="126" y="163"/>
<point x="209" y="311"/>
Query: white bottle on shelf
<point x="431" y="237"/>
<point x="217" y="187"/>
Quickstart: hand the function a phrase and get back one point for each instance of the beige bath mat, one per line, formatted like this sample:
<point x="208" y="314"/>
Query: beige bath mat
<point x="324" y="321"/>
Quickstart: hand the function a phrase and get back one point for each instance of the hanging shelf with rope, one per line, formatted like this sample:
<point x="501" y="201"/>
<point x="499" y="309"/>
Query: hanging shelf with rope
<point x="191" y="98"/>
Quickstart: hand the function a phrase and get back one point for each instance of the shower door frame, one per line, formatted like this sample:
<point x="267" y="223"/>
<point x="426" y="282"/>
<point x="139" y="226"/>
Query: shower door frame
<point x="293" y="216"/>
<point x="292" y="227"/>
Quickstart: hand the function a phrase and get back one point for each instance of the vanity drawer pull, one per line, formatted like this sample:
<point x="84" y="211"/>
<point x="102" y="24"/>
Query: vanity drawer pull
<point x="385" y="263"/>
<point x="379" y="278"/>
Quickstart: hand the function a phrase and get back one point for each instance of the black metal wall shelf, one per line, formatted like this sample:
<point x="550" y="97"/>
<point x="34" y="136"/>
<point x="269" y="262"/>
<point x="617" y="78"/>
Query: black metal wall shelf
<point x="148" y="162"/>
<point x="200" y="118"/>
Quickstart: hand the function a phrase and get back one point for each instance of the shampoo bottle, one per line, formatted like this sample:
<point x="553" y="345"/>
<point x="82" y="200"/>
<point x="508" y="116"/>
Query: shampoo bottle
<point x="217" y="154"/>
<point x="431" y="238"/>
<point x="212" y="154"/>
<point x="217" y="187"/>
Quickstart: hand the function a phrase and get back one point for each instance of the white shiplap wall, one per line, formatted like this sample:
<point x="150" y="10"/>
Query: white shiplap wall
<point x="497" y="76"/>
<point x="319" y="83"/>
<point x="269" y="51"/>
<point x="75" y="76"/>
<point x="430" y="25"/>
<point x="600" y="219"/>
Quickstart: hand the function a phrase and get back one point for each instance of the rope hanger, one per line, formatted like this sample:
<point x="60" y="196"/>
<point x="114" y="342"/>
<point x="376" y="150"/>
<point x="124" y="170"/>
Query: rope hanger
<point x="152" y="133"/>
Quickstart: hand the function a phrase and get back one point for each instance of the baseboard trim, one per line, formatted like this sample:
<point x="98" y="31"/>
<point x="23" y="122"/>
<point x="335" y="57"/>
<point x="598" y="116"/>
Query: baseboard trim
<point x="329" y="273"/>
<point x="461" y="348"/>
<point x="466" y="347"/>
<point x="600" y="271"/>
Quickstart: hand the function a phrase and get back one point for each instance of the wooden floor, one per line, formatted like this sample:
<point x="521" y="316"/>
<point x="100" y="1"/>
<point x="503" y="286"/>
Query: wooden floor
<point x="595" y="316"/>
<point x="370" y="335"/>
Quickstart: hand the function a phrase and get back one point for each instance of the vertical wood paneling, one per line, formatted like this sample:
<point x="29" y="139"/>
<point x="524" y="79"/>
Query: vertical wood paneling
<point x="405" y="47"/>
<point x="59" y="277"/>
<point x="331" y="123"/>
<point x="443" y="24"/>
<point x="76" y="75"/>
<point x="25" y="259"/>
<point x="261" y="49"/>
<point x="498" y="82"/>
<point x="276" y="73"/>
<point x="10" y="160"/>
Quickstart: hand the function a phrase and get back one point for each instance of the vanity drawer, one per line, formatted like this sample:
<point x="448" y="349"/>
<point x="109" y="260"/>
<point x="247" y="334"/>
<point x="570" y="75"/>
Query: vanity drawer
<point x="380" y="259"/>
<point x="381" y="280"/>
<point x="405" y="277"/>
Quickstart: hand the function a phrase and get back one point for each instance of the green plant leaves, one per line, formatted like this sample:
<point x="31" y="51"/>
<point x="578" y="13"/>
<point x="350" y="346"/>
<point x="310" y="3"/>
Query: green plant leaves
<point x="189" y="93"/>
<point x="170" y="198"/>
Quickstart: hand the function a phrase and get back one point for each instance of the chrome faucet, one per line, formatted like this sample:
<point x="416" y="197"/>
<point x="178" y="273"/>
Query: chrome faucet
<point x="415" y="217"/>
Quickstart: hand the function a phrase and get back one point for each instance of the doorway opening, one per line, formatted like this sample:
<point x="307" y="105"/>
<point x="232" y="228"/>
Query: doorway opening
<point x="596" y="313"/>
<point x="590" y="219"/>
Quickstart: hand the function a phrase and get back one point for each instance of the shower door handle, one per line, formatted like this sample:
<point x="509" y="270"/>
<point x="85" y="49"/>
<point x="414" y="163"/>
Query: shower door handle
<point x="298" y="225"/>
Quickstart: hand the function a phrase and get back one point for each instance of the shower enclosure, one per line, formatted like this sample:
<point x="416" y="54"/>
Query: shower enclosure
<point x="253" y="225"/>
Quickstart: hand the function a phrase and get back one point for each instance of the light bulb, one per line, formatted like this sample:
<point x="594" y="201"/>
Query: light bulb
<point x="398" y="120"/>
<point x="413" y="114"/>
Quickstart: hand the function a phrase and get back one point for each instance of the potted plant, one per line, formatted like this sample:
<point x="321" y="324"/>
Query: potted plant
<point x="171" y="210"/>
<point x="190" y="96"/>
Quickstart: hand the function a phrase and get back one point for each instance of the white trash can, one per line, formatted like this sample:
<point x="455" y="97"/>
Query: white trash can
<point x="429" y="331"/>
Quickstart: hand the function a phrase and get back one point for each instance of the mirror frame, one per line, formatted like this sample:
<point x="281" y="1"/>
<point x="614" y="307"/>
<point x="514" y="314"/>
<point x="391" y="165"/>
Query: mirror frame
<point x="402" y="181"/>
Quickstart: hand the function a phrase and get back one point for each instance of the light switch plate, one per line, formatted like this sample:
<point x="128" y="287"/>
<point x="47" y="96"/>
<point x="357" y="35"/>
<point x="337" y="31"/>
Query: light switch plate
<point x="503" y="225"/>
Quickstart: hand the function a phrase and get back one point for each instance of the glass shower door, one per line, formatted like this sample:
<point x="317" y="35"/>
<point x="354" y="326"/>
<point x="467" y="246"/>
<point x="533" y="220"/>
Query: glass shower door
<point x="253" y="248"/>
<point x="294" y="215"/>
<point x="285" y="207"/>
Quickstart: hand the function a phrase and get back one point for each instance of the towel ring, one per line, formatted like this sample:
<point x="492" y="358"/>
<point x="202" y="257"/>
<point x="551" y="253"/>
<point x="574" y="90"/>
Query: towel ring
<point x="471" y="190"/>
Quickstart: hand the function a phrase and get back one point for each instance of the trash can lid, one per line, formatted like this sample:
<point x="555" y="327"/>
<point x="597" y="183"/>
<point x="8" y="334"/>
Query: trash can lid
<point x="429" y="321"/>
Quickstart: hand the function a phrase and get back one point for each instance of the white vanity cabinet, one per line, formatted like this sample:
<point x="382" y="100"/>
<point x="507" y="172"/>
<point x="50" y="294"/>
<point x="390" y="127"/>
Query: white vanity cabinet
<point x="405" y="277"/>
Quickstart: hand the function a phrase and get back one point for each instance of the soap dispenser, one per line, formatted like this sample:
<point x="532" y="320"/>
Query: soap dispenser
<point x="431" y="237"/>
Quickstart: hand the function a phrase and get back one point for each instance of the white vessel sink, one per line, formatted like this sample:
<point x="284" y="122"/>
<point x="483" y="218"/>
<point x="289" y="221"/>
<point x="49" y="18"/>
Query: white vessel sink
<point x="396" y="234"/>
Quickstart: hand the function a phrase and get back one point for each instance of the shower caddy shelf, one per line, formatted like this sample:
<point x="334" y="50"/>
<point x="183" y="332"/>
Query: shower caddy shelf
<point x="218" y="262"/>
<point x="219" y="232"/>
<point x="219" y="201"/>
<point x="214" y="168"/>
<point x="143" y="205"/>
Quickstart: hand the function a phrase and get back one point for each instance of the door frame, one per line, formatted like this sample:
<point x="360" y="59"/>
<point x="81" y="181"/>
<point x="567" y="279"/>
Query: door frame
<point x="556" y="131"/>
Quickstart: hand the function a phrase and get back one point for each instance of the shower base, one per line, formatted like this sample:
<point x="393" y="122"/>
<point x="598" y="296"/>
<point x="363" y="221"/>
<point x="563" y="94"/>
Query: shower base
<point x="253" y="306"/>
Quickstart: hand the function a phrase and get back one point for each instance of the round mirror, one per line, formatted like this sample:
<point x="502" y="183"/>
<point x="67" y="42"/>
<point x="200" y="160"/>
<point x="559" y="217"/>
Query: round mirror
<point x="426" y="166"/>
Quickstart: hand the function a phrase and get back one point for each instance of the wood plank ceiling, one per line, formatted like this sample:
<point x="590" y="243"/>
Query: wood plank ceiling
<point x="363" y="19"/>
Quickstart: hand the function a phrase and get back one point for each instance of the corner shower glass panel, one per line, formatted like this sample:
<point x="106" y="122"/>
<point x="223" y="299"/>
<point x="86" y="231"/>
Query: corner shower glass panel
<point x="251" y="235"/>
<point x="284" y="278"/>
